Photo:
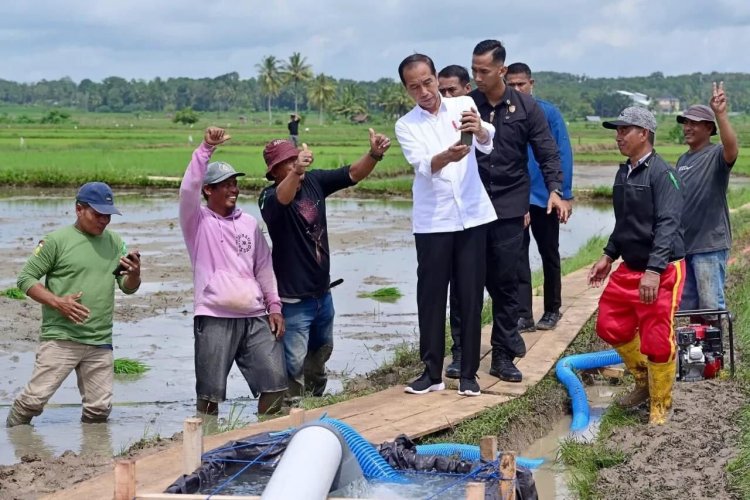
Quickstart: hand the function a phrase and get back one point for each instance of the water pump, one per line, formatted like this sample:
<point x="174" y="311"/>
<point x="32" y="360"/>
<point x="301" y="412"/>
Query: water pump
<point x="700" y="352"/>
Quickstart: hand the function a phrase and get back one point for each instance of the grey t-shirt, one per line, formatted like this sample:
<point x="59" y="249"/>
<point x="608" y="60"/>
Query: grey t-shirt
<point x="705" y="177"/>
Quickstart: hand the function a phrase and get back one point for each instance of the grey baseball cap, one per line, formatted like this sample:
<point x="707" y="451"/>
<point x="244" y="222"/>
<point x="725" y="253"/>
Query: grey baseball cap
<point x="698" y="113"/>
<point x="636" y="116"/>
<point x="219" y="171"/>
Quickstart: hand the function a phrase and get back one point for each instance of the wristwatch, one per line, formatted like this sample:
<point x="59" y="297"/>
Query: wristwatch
<point x="558" y="192"/>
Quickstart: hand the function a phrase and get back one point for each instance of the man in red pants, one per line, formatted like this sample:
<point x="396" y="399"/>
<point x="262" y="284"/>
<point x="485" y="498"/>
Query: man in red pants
<point x="636" y="309"/>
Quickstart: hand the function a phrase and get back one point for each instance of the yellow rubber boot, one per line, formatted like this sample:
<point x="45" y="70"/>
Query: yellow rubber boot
<point x="660" y="382"/>
<point x="637" y="363"/>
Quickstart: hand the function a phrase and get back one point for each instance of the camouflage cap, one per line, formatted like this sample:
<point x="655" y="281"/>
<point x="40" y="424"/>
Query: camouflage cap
<point x="634" y="115"/>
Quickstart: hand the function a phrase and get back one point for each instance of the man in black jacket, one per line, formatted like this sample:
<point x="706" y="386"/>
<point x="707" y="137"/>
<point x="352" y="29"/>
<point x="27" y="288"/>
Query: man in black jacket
<point x="636" y="309"/>
<point x="519" y="123"/>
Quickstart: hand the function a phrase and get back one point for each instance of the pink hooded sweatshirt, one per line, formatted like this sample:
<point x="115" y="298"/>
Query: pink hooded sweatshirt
<point x="232" y="270"/>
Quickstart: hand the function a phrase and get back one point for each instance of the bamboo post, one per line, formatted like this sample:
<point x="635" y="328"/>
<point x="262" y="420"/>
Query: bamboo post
<point x="192" y="444"/>
<point x="475" y="491"/>
<point x="124" y="479"/>
<point x="508" y="475"/>
<point x="488" y="448"/>
<point x="297" y="416"/>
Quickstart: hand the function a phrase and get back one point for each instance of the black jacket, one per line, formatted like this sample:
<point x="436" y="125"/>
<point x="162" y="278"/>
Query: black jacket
<point x="648" y="210"/>
<point x="519" y="123"/>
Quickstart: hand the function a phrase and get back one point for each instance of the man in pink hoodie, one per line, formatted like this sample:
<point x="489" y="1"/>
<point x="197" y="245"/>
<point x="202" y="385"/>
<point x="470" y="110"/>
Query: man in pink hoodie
<point x="237" y="310"/>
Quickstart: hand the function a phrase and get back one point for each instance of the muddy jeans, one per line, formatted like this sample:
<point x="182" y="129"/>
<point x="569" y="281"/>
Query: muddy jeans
<point x="308" y="343"/>
<point x="55" y="359"/>
<point x="704" y="283"/>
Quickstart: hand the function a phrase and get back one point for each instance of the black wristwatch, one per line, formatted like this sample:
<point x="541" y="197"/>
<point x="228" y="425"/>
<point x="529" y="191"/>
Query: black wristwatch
<point x="558" y="193"/>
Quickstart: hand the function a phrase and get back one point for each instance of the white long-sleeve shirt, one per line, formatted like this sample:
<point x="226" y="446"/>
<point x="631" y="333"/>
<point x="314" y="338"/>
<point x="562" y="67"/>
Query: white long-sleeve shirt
<point x="453" y="198"/>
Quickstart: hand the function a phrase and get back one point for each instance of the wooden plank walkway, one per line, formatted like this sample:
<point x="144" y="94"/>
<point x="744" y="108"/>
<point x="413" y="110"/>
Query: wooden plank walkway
<point x="384" y="415"/>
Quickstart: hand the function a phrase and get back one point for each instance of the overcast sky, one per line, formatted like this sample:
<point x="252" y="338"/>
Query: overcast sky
<point x="50" y="39"/>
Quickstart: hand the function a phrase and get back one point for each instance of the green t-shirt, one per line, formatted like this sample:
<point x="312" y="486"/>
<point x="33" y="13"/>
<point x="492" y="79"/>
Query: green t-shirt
<point x="73" y="261"/>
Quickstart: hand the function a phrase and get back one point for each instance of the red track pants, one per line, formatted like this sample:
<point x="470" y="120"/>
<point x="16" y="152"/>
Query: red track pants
<point x="622" y="315"/>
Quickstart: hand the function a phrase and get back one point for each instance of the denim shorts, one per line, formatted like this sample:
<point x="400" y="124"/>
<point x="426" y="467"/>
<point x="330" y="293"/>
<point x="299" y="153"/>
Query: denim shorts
<point x="704" y="281"/>
<point x="247" y="341"/>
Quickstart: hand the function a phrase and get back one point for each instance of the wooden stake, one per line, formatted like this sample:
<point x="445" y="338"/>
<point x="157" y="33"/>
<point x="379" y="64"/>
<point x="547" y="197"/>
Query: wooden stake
<point x="488" y="448"/>
<point x="297" y="416"/>
<point x="475" y="491"/>
<point x="192" y="444"/>
<point x="508" y="475"/>
<point x="124" y="479"/>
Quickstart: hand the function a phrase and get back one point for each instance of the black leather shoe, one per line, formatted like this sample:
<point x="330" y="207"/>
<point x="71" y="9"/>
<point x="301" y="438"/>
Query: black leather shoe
<point x="453" y="370"/>
<point x="526" y="325"/>
<point x="503" y="368"/>
<point x="549" y="321"/>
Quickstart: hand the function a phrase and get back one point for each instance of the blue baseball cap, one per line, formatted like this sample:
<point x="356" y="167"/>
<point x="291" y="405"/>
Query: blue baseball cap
<point x="98" y="196"/>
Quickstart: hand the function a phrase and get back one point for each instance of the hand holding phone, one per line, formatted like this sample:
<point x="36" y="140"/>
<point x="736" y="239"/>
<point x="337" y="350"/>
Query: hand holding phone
<point x="468" y="119"/>
<point x="121" y="267"/>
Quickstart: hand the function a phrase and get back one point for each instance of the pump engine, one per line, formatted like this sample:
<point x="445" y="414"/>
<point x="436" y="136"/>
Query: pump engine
<point x="700" y="352"/>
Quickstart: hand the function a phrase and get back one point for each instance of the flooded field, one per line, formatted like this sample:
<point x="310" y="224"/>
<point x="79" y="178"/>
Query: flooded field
<point x="371" y="245"/>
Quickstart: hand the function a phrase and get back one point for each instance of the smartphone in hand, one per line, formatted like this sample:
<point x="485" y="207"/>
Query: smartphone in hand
<point x="120" y="268"/>
<point x="467" y="138"/>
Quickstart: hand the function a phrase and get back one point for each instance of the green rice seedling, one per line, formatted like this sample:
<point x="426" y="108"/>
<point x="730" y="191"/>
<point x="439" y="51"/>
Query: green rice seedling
<point x="387" y="294"/>
<point x="127" y="366"/>
<point x="13" y="293"/>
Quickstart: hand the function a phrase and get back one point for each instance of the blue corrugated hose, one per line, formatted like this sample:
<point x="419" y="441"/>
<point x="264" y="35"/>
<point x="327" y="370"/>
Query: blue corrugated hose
<point x="373" y="465"/>
<point x="564" y="372"/>
<point x="469" y="452"/>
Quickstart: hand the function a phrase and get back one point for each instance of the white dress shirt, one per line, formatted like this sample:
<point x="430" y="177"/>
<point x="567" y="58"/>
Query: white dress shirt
<point x="453" y="198"/>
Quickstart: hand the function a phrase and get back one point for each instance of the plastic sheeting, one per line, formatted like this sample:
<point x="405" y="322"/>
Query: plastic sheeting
<point x="402" y="455"/>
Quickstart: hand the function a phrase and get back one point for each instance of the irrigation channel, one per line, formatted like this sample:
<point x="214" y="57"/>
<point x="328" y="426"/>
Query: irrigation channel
<point x="371" y="245"/>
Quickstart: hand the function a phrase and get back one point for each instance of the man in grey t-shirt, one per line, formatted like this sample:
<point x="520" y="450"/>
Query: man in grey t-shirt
<point x="704" y="169"/>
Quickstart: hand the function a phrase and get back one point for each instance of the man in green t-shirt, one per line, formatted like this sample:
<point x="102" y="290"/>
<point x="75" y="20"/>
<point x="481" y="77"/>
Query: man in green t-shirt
<point x="81" y="264"/>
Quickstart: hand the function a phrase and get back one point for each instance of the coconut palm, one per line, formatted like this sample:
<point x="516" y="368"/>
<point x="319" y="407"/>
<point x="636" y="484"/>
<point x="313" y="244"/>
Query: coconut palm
<point x="270" y="79"/>
<point x="295" y="71"/>
<point x="394" y="99"/>
<point x="320" y="93"/>
<point x="351" y="101"/>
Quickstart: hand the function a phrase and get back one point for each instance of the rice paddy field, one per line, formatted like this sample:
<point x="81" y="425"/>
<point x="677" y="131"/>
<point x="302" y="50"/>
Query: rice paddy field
<point x="141" y="149"/>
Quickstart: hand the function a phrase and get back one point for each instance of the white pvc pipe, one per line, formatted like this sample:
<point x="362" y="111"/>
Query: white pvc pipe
<point x="307" y="468"/>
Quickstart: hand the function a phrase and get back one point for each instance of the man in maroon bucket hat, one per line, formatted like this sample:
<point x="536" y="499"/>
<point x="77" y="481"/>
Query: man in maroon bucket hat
<point x="705" y="169"/>
<point x="294" y="210"/>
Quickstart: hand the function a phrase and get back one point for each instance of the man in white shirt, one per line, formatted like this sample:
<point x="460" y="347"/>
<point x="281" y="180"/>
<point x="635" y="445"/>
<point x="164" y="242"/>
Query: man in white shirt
<point x="450" y="212"/>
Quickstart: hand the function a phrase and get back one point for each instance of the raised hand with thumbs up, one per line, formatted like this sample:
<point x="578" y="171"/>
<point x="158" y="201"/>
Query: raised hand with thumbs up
<point x="379" y="144"/>
<point x="304" y="160"/>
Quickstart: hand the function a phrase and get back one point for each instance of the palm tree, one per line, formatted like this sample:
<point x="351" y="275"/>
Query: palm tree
<point x="394" y="100"/>
<point x="296" y="71"/>
<point x="320" y="93"/>
<point x="351" y="102"/>
<point x="270" y="80"/>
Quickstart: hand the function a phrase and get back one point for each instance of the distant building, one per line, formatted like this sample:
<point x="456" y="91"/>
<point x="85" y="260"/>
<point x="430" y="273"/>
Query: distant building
<point x="667" y="104"/>
<point x="360" y="118"/>
<point x="593" y="118"/>
<point x="636" y="97"/>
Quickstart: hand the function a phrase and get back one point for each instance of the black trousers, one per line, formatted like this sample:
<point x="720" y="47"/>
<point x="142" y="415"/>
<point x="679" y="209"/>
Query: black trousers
<point x="458" y="258"/>
<point x="504" y="245"/>
<point x="546" y="231"/>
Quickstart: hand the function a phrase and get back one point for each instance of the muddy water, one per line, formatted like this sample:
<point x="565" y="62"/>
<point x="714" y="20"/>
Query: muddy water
<point x="550" y="478"/>
<point x="372" y="247"/>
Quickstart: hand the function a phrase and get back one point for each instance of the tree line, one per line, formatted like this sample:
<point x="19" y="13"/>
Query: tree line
<point x="291" y="85"/>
